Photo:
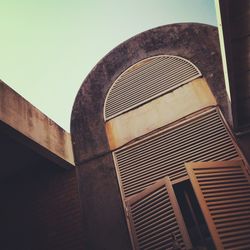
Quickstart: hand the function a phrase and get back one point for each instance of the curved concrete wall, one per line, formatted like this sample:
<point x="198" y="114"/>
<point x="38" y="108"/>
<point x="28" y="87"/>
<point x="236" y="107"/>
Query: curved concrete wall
<point x="101" y="201"/>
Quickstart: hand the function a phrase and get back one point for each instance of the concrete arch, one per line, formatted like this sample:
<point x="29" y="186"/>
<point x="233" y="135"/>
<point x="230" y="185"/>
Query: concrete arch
<point x="103" y="214"/>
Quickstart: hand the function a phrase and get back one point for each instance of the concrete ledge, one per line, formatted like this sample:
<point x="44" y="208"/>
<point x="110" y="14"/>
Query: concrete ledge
<point x="41" y="133"/>
<point x="159" y="112"/>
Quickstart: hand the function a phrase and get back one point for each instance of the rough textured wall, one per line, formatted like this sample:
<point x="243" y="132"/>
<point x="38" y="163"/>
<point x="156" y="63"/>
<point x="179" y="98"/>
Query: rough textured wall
<point x="236" y="31"/>
<point x="40" y="209"/>
<point x="98" y="185"/>
<point x="195" y="42"/>
<point x="45" y="135"/>
<point x="164" y="110"/>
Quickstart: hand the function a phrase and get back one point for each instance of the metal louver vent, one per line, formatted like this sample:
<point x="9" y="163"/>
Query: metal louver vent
<point x="156" y="219"/>
<point x="204" y="138"/>
<point x="146" y="80"/>
<point x="223" y="191"/>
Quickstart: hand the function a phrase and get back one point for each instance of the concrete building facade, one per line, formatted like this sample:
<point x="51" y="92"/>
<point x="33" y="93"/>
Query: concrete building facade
<point x="157" y="143"/>
<point x="40" y="206"/>
<point x="158" y="155"/>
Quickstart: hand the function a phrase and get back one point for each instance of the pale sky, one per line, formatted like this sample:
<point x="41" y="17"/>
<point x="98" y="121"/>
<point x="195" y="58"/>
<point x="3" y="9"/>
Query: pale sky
<point x="48" y="47"/>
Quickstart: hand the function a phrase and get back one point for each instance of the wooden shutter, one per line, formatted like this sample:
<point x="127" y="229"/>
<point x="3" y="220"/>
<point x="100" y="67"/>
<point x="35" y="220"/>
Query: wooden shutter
<point x="155" y="218"/>
<point x="223" y="191"/>
<point x="203" y="138"/>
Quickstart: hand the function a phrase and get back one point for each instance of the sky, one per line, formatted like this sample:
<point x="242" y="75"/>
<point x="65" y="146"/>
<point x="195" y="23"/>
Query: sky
<point x="48" y="47"/>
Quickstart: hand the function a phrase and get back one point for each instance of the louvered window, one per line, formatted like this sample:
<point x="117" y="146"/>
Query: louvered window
<point x="147" y="80"/>
<point x="156" y="220"/>
<point x="223" y="192"/>
<point x="202" y="138"/>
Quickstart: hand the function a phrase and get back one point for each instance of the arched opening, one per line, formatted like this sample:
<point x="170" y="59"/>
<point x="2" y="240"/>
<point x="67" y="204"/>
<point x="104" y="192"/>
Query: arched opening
<point x="165" y="203"/>
<point x="138" y="152"/>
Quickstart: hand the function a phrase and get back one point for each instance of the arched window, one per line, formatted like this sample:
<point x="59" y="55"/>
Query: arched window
<point x="161" y="189"/>
<point x="147" y="80"/>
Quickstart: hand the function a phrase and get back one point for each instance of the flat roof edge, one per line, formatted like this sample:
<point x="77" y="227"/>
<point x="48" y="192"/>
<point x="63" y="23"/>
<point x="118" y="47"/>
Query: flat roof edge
<point x="50" y="140"/>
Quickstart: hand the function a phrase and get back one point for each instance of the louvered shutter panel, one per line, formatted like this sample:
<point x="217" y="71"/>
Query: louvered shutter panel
<point x="203" y="138"/>
<point x="156" y="219"/>
<point x="223" y="191"/>
<point x="147" y="80"/>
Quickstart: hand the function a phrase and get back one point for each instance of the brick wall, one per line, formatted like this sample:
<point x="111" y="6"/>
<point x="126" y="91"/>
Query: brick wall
<point x="40" y="209"/>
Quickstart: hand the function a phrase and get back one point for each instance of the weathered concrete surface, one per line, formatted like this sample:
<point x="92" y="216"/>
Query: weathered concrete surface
<point x="236" y="30"/>
<point x="157" y="113"/>
<point x="197" y="43"/>
<point x="36" y="129"/>
<point x="244" y="143"/>
<point x="103" y="219"/>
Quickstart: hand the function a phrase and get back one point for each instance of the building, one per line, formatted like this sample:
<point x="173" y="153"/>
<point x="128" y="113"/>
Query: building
<point x="161" y="149"/>
<point x="159" y="142"/>
<point x="235" y="30"/>
<point x="40" y="207"/>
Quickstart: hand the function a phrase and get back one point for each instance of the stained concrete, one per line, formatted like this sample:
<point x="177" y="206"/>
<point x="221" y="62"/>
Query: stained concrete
<point x="22" y="121"/>
<point x="197" y="43"/>
<point x="159" y="112"/>
<point x="99" y="191"/>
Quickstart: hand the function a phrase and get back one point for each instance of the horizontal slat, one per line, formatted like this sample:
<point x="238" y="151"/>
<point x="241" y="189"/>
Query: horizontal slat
<point x="161" y="222"/>
<point x="237" y="206"/>
<point x="225" y="188"/>
<point x="172" y="135"/>
<point x="243" y="239"/>
<point x="154" y="221"/>
<point x="164" y="154"/>
<point x="228" y="214"/>
<point x="139" y="211"/>
<point x="162" y="229"/>
<point x="229" y="231"/>
<point x="216" y="172"/>
<point x="163" y="240"/>
<point x="224" y="185"/>
<point x="160" y="64"/>
<point x="184" y="130"/>
<point x="178" y="156"/>
<point x="140" y="203"/>
<point x="220" y="176"/>
<point x="152" y="64"/>
<point x="153" y="226"/>
<point x="209" y="190"/>
<point x="241" y="244"/>
<point x="132" y="72"/>
<point x="142" y="183"/>
<point x="241" y="219"/>
<point x="183" y="147"/>
<point x="228" y="200"/>
<point x="226" y="196"/>
<point x="173" y="164"/>
<point x="168" y="246"/>
<point x="146" y="80"/>
<point x="219" y="182"/>
<point x="134" y="94"/>
<point x="148" y="213"/>
<point x="170" y="160"/>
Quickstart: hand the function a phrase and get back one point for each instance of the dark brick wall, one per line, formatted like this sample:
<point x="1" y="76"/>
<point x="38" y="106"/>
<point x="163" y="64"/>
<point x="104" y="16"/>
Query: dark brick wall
<point x="104" y="206"/>
<point x="40" y="209"/>
<point x="236" y="31"/>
